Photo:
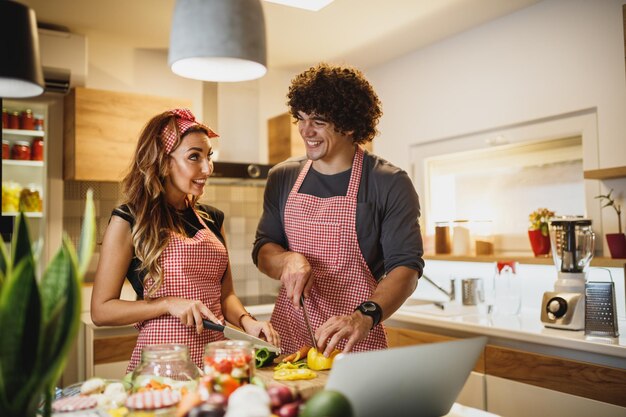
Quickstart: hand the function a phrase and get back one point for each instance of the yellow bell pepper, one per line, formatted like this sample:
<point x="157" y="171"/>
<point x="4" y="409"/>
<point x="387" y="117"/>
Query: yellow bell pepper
<point x="318" y="362"/>
<point x="294" y="374"/>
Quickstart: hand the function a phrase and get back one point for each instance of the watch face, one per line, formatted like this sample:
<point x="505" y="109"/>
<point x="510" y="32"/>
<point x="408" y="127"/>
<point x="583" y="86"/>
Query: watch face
<point x="369" y="306"/>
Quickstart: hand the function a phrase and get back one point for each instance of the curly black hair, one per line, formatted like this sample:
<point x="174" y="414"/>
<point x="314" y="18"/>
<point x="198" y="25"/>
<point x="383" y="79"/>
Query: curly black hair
<point x="341" y="95"/>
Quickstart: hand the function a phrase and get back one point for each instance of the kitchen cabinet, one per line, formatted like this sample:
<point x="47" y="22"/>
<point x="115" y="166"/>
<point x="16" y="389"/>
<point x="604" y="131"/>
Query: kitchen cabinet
<point x="597" y="261"/>
<point x="605" y="173"/>
<point x="517" y="382"/>
<point x="101" y="130"/>
<point x="284" y="140"/>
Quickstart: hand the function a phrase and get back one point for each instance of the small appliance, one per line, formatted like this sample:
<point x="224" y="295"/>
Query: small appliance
<point x="572" y="244"/>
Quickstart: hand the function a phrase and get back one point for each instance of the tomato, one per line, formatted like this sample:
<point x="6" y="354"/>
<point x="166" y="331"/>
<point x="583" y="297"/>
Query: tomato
<point x="224" y="366"/>
<point x="228" y="384"/>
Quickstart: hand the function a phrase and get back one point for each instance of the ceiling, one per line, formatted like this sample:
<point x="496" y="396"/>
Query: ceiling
<point x="359" y="32"/>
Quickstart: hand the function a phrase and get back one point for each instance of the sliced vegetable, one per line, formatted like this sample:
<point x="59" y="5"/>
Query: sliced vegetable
<point x="294" y="374"/>
<point x="318" y="362"/>
<point x="296" y="356"/>
<point x="263" y="357"/>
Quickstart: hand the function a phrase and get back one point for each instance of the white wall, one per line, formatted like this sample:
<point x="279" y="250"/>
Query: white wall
<point x="554" y="57"/>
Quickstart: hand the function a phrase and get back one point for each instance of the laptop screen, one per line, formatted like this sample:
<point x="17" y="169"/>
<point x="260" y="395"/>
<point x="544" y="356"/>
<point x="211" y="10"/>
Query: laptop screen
<point x="421" y="380"/>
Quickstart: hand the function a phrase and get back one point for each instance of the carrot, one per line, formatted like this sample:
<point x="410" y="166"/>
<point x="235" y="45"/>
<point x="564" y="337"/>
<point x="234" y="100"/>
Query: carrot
<point x="296" y="356"/>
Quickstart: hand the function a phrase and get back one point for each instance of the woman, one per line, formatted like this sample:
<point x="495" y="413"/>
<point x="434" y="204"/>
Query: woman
<point x="170" y="247"/>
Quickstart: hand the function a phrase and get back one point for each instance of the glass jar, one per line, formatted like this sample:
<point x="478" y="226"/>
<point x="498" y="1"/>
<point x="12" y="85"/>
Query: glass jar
<point x="27" y="121"/>
<point x="5" y="119"/>
<point x="36" y="149"/>
<point x="38" y="122"/>
<point x="461" y="243"/>
<point x="14" y="120"/>
<point x="30" y="199"/>
<point x="6" y="149"/>
<point x="165" y="366"/>
<point x="442" y="238"/>
<point x="21" y="151"/>
<point x="11" y="196"/>
<point x="228" y="364"/>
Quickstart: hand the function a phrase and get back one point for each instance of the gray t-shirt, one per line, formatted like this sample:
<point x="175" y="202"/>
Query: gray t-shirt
<point x="386" y="216"/>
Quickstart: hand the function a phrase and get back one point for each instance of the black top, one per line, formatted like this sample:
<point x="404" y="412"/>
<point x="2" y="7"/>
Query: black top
<point x="386" y="216"/>
<point x="213" y="218"/>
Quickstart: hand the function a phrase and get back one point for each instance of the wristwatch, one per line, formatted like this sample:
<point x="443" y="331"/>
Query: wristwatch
<point x="370" y="308"/>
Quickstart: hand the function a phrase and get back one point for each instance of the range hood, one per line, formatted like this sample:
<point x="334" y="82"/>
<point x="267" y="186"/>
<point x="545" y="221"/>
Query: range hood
<point x="239" y="172"/>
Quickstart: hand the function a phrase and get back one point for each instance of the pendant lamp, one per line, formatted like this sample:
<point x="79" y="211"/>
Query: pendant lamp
<point x="21" y="74"/>
<point x="218" y="40"/>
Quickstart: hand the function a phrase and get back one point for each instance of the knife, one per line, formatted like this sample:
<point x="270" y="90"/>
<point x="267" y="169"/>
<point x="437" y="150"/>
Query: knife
<point x="308" y="323"/>
<point x="234" y="334"/>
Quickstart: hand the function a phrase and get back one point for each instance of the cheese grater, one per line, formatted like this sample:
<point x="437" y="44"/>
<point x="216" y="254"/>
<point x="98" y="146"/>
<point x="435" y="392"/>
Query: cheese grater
<point x="600" y="309"/>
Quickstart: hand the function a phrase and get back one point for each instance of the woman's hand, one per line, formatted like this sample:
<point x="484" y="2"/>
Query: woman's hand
<point x="190" y="312"/>
<point x="261" y="329"/>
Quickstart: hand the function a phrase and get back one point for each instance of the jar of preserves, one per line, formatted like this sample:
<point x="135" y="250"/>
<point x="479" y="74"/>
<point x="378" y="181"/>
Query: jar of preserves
<point x="36" y="149"/>
<point x="5" y="119"/>
<point x="21" y="151"/>
<point x="30" y="199"/>
<point x="27" y="120"/>
<point x="14" y="120"/>
<point x="11" y="196"/>
<point x="6" y="149"/>
<point x="165" y="366"/>
<point x="228" y="364"/>
<point x="38" y="122"/>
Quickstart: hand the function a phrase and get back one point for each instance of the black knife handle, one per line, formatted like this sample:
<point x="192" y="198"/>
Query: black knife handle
<point x="208" y="324"/>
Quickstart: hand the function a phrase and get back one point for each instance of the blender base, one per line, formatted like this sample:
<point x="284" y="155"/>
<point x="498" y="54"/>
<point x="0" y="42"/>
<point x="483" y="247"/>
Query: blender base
<point x="563" y="310"/>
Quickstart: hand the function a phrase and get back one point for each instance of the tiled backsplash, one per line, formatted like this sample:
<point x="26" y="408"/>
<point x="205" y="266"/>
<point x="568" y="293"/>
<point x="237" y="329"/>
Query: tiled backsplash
<point x="241" y="203"/>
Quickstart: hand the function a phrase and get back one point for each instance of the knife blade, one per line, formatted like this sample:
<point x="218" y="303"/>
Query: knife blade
<point x="234" y="334"/>
<point x="308" y="323"/>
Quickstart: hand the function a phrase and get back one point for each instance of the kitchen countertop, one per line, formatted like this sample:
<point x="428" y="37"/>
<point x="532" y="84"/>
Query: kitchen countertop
<point x="524" y="331"/>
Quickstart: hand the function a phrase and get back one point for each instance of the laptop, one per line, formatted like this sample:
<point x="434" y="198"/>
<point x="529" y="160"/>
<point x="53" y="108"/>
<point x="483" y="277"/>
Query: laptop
<point x="417" y="381"/>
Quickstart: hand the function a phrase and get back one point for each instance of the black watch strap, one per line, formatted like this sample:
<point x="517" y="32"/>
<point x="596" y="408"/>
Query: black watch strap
<point x="372" y="309"/>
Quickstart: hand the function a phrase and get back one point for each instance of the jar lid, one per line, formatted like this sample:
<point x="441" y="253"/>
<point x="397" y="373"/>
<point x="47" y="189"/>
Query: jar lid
<point x="5" y="142"/>
<point x="151" y="400"/>
<point x="22" y="143"/>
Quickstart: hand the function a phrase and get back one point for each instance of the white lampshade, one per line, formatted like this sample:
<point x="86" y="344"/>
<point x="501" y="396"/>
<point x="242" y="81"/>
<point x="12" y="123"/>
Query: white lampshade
<point x="218" y="40"/>
<point x="21" y="74"/>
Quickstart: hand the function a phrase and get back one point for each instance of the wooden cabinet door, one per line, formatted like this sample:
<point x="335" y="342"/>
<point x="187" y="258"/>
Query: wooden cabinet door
<point x="101" y="129"/>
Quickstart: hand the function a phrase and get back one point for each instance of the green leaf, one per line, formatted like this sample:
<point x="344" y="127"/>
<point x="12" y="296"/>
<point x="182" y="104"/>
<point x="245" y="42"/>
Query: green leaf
<point x="21" y="245"/>
<point x="4" y="262"/>
<point x="87" y="241"/>
<point x="20" y="321"/>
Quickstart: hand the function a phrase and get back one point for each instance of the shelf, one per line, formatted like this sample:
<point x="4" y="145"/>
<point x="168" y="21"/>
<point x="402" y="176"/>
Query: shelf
<point x="34" y="214"/>
<point x="605" y="173"/>
<point x="18" y="163"/>
<point x="22" y="132"/>
<point x="523" y="258"/>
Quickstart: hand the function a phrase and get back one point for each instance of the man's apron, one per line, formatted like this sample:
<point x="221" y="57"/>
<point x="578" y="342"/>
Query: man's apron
<point x="324" y="231"/>
<point x="193" y="268"/>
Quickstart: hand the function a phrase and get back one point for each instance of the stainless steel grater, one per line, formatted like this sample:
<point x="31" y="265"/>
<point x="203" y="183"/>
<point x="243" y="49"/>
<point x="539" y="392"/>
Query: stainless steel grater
<point x="600" y="309"/>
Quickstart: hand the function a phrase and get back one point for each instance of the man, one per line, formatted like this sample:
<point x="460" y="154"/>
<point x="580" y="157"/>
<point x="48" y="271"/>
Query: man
<point x="341" y="225"/>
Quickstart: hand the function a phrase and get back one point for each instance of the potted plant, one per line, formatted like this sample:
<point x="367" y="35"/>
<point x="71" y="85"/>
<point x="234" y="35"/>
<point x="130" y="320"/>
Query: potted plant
<point x="538" y="231"/>
<point x="39" y="318"/>
<point x="616" y="241"/>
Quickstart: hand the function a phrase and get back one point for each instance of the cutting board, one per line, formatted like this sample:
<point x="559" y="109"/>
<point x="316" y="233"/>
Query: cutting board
<point x="306" y="387"/>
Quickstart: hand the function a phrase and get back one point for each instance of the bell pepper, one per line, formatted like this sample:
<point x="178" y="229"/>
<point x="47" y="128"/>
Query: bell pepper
<point x="294" y="374"/>
<point x="263" y="357"/>
<point x="318" y="362"/>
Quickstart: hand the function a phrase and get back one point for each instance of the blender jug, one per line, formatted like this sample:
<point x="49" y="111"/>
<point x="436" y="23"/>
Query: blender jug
<point x="572" y="243"/>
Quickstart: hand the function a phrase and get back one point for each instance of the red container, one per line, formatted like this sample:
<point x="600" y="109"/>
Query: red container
<point x="38" y="123"/>
<point x="540" y="244"/>
<point x="21" y="151"/>
<point x="6" y="149"/>
<point x="36" y="151"/>
<point x="14" y="120"/>
<point x="5" y="119"/>
<point x="27" y="121"/>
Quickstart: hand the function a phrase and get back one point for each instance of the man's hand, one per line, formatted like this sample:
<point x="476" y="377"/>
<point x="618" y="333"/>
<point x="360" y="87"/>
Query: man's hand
<point x="353" y="327"/>
<point x="296" y="276"/>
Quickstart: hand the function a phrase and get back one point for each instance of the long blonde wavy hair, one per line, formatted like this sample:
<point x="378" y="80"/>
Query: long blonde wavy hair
<point x="144" y="194"/>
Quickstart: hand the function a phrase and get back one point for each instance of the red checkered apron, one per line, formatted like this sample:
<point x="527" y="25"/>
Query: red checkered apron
<point x="193" y="269"/>
<point x="324" y="231"/>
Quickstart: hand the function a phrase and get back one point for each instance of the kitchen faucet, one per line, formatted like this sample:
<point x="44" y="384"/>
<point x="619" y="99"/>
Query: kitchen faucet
<point x="451" y="294"/>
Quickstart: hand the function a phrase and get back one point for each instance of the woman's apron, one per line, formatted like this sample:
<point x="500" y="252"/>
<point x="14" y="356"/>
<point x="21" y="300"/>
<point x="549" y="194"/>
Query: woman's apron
<point x="193" y="268"/>
<point x="324" y="231"/>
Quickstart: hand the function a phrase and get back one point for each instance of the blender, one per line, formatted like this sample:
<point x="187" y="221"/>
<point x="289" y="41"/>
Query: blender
<point x="572" y="244"/>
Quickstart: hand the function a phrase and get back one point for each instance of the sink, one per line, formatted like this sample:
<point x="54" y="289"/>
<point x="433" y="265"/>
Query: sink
<point x="438" y="308"/>
<point x="417" y="302"/>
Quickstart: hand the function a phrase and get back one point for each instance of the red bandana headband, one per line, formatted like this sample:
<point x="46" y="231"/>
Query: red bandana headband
<point x="184" y="120"/>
